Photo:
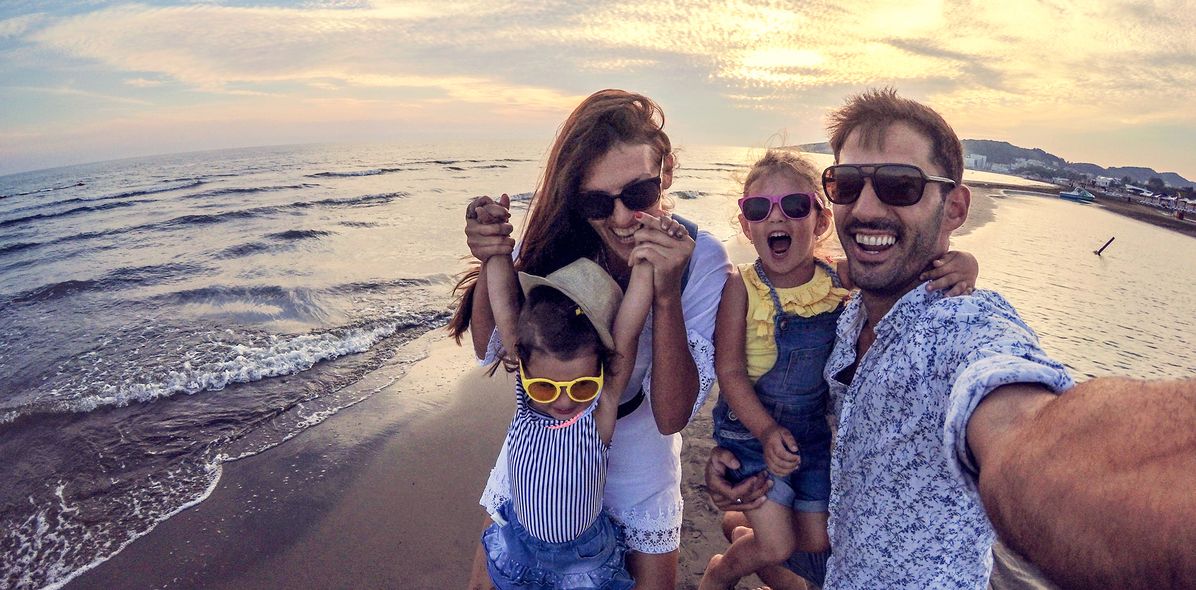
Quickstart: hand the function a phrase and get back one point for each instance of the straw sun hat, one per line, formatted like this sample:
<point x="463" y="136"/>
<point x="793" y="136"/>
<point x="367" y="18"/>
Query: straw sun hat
<point x="589" y="286"/>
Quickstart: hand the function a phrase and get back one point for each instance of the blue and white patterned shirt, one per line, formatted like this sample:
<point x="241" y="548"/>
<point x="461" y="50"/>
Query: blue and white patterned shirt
<point x="904" y="508"/>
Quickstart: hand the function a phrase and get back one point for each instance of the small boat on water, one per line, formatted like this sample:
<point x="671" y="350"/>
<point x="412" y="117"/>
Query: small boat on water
<point x="1078" y="195"/>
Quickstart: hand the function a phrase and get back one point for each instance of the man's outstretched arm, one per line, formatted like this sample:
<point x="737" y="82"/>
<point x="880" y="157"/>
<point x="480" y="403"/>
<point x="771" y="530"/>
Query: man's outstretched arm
<point x="1097" y="486"/>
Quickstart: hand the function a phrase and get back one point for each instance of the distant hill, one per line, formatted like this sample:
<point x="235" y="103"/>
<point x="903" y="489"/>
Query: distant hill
<point x="1003" y="152"/>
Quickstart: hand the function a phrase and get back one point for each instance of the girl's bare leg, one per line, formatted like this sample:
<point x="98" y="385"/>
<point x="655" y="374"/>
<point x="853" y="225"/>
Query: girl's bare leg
<point x="479" y="578"/>
<point x="771" y="543"/>
<point x="653" y="571"/>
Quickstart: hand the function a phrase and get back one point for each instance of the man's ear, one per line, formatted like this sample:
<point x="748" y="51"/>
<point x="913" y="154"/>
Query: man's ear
<point x="955" y="208"/>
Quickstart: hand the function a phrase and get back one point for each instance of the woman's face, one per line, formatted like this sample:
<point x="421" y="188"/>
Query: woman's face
<point x="623" y="165"/>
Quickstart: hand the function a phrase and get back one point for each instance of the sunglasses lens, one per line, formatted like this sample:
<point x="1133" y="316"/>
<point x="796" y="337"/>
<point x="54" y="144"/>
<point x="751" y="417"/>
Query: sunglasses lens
<point x="756" y="208"/>
<point x="898" y="185"/>
<point x="595" y="205"/>
<point x="542" y="391"/>
<point x="842" y="184"/>
<point x="584" y="390"/>
<point x="641" y="195"/>
<point x="795" y="206"/>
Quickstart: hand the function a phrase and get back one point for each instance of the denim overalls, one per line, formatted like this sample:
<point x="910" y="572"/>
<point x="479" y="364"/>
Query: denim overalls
<point x="795" y="394"/>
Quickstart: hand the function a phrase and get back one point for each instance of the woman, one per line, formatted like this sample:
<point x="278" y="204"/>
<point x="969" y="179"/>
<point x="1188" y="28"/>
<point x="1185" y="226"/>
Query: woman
<point x="610" y="161"/>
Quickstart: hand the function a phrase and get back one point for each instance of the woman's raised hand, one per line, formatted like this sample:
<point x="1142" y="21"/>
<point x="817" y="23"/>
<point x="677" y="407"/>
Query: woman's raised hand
<point x="664" y="243"/>
<point x="488" y="228"/>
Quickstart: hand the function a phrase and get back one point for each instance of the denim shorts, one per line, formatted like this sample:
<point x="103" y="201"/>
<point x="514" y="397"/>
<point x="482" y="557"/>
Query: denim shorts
<point x="808" y="488"/>
<point x="518" y="561"/>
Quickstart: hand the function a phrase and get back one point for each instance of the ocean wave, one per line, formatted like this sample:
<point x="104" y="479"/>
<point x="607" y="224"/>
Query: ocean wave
<point x="70" y="212"/>
<point x="300" y="234"/>
<point x="273" y="356"/>
<point x="352" y="173"/>
<point x="117" y="279"/>
<point x="243" y="250"/>
<point x="43" y="190"/>
<point x="114" y="196"/>
<point x="247" y="190"/>
<point x="17" y="247"/>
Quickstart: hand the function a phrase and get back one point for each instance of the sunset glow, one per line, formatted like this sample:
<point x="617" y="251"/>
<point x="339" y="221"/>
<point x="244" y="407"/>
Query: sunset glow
<point x="1111" y="83"/>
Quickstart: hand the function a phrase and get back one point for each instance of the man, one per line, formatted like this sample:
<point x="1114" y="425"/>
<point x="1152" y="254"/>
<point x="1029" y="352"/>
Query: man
<point x="951" y="419"/>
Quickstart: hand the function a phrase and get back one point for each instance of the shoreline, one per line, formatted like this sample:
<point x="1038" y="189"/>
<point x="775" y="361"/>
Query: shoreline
<point x="1143" y="213"/>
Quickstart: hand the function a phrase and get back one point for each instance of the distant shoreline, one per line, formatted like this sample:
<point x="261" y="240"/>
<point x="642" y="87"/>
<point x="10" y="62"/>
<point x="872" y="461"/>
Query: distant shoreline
<point x="1128" y="209"/>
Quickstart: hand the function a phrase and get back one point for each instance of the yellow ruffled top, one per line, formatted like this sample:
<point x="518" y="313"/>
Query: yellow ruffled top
<point x="817" y="296"/>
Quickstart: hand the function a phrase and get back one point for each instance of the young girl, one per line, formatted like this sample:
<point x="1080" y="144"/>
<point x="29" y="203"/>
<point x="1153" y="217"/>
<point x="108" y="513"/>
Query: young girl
<point x="775" y="331"/>
<point x="554" y="533"/>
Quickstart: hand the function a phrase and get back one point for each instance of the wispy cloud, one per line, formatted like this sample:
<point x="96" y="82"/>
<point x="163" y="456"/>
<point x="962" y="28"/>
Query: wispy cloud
<point x="991" y="68"/>
<point x="69" y="91"/>
<point x="18" y="25"/>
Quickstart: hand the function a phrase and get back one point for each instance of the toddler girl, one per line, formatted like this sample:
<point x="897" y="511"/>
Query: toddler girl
<point x="554" y="533"/>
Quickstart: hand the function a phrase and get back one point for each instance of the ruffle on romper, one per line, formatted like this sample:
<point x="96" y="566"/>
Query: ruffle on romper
<point x="609" y="575"/>
<point x="817" y="296"/>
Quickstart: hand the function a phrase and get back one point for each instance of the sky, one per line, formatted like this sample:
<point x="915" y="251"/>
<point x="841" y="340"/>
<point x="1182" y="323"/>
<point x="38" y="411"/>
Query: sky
<point x="1113" y="83"/>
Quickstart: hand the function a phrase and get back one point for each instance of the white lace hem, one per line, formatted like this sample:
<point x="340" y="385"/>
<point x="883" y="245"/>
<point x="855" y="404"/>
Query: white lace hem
<point x="651" y="532"/>
<point x="702" y="351"/>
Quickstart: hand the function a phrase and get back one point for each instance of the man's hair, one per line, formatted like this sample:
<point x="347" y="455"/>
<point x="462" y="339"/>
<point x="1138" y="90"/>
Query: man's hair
<point x="872" y="113"/>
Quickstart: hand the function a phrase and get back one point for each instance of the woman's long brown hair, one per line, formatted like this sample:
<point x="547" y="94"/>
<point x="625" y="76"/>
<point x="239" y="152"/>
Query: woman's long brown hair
<point x="555" y="234"/>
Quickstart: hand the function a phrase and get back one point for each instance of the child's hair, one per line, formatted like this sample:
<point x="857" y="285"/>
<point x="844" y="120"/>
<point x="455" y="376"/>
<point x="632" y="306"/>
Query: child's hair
<point x="552" y="323"/>
<point x="796" y="167"/>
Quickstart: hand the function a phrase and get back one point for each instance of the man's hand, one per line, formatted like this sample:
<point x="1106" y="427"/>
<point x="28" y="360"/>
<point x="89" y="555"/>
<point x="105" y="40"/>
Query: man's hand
<point x="746" y="495"/>
<point x="487" y="227"/>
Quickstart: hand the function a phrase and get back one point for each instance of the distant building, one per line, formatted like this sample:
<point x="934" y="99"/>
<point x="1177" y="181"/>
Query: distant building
<point x="1104" y="182"/>
<point x="1137" y="190"/>
<point x="975" y="162"/>
<point x="1061" y="180"/>
<point x="1020" y="163"/>
<point x="1001" y="168"/>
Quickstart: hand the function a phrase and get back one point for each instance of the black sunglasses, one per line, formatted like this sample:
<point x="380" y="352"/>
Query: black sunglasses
<point x="636" y="196"/>
<point x="898" y="185"/>
<point x="794" y="206"/>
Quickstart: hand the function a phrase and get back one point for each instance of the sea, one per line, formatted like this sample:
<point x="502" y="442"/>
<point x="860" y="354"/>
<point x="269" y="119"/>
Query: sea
<point x="163" y="316"/>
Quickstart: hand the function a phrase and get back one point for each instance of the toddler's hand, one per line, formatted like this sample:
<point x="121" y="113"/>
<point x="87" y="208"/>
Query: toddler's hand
<point x="780" y="451"/>
<point x="955" y="270"/>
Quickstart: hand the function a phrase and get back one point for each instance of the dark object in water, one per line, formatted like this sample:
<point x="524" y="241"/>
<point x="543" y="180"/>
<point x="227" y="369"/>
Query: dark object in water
<point x="1102" y="248"/>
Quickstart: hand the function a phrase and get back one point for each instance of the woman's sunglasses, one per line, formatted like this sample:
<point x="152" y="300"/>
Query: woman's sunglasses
<point x="636" y="196"/>
<point x="545" y="391"/>
<point x="794" y="206"/>
<point x="898" y="185"/>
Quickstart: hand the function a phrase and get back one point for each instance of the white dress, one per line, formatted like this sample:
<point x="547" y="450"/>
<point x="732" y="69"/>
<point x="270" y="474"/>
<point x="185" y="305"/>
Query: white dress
<point x="643" y="478"/>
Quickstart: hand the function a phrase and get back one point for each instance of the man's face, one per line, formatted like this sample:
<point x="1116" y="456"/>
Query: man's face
<point x="888" y="246"/>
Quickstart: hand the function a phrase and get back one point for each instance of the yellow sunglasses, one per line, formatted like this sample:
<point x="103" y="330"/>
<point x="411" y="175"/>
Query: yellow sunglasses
<point x="545" y="391"/>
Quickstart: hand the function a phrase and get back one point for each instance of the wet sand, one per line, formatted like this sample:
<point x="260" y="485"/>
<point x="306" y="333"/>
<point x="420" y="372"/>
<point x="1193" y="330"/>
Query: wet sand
<point x="383" y="494"/>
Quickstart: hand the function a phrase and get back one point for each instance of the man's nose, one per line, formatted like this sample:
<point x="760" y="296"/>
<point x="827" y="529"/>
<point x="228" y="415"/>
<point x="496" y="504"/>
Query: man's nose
<point x="868" y="205"/>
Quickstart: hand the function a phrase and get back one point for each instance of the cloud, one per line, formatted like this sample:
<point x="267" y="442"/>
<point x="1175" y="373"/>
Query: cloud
<point x="143" y="82"/>
<point x="18" y="25"/>
<point x="70" y="91"/>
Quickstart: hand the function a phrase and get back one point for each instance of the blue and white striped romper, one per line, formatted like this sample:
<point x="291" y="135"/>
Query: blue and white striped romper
<point x="558" y="475"/>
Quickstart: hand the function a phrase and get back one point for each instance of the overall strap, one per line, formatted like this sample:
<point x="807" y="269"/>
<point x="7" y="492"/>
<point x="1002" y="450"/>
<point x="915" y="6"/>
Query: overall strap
<point x="772" y="292"/>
